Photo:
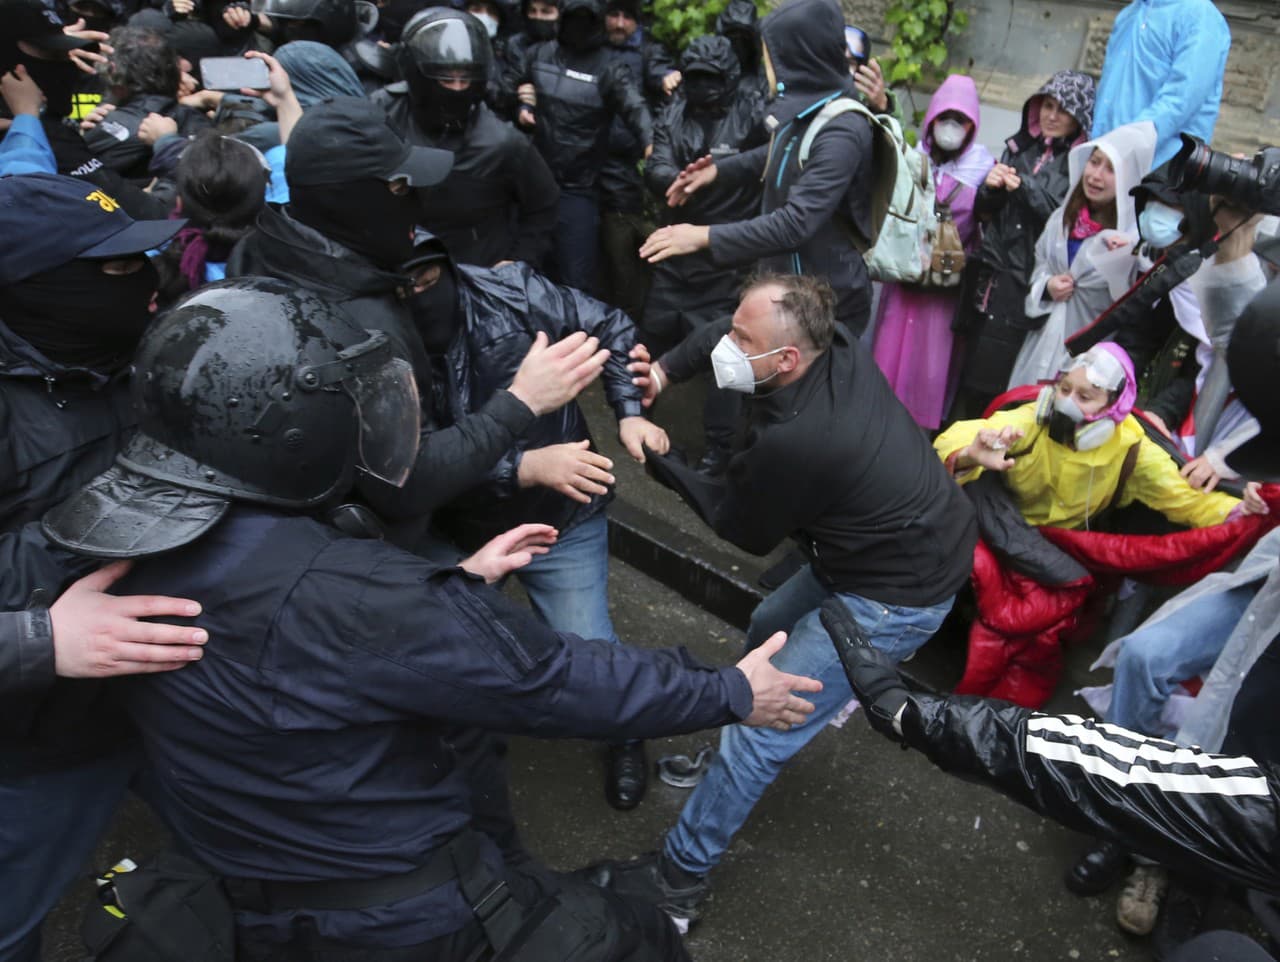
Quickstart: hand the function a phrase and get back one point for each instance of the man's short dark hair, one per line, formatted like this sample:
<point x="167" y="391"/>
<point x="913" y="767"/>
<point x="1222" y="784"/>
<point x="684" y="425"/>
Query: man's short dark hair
<point x="143" y="63"/>
<point x="807" y="306"/>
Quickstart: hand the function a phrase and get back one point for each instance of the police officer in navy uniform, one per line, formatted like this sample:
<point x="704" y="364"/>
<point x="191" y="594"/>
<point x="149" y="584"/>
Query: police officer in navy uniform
<point x="301" y="758"/>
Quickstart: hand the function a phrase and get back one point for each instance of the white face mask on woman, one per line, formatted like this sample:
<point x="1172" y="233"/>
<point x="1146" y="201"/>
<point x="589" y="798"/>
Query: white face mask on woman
<point x="490" y="23"/>
<point x="949" y="134"/>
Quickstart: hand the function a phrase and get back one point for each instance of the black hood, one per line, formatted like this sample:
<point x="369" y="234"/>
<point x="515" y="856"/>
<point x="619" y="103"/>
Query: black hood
<point x="711" y="53"/>
<point x="738" y="17"/>
<point x="594" y="9"/>
<point x="1198" y="223"/>
<point x="805" y="42"/>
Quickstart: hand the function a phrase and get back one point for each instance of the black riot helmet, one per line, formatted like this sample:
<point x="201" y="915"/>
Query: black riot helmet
<point x="247" y="390"/>
<point x="331" y="22"/>
<point x="439" y="49"/>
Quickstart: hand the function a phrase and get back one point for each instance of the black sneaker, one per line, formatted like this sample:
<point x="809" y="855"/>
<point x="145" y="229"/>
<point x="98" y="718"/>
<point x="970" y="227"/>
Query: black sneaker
<point x="654" y="880"/>
<point x="626" y="775"/>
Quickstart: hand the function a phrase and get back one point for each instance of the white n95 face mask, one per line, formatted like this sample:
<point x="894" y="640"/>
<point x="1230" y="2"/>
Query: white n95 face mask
<point x="490" y="23"/>
<point x="948" y="134"/>
<point x="732" y="366"/>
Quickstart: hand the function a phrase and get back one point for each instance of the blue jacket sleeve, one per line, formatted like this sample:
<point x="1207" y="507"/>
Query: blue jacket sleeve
<point x="436" y="643"/>
<point x="25" y="148"/>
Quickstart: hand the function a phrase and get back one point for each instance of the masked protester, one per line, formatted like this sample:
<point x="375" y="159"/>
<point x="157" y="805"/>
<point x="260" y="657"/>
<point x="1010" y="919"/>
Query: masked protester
<point x="739" y="23"/>
<point x="580" y="88"/>
<point x="886" y="533"/>
<point x="75" y="296"/>
<point x="809" y="213"/>
<point x="398" y="650"/>
<point x="711" y="113"/>
<point x="480" y="323"/>
<point x="499" y="201"/>
<point x="624" y="223"/>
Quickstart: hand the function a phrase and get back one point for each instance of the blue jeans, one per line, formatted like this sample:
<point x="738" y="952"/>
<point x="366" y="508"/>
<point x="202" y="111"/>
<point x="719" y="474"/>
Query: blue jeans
<point x="569" y="585"/>
<point x="1154" y="659"/>
<point x="50" y="821"/>
<point x="751" y="758"/>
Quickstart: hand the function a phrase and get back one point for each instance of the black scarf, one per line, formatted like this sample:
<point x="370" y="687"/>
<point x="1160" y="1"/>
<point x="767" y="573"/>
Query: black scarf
<point x="362" y="215"/>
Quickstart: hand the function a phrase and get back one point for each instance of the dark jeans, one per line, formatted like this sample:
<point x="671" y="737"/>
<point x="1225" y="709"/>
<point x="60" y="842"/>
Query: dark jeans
<point x="50" y="821"/>
<point x="624" y="277"/>
<point x="577" y="241"/>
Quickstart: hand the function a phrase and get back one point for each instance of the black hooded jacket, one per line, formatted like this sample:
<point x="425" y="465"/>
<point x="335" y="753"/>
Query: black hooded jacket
<point x="499" y="201"/>
<point x="579" y="94"/>
<point x="691" y="290"/>
<point x="739" y="23"/>
<point x="449" y="461"/>
<point x="808" y="217"/>
<point x="502" y="310"/>
<point x="621" y="185"/>
<point x="995" y="322"/>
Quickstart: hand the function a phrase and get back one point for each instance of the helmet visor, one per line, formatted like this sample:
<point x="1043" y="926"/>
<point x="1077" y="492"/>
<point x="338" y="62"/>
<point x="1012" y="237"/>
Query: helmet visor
<point x="447" y="46"/>
<point x="390" y="416"/>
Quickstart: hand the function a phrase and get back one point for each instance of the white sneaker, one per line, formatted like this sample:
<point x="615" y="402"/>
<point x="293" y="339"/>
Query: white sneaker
<point x="1139" y="902"/>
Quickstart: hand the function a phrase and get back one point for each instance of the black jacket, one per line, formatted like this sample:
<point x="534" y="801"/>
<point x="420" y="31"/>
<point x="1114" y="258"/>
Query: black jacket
<point x="115" y="139"/>
<point x="308" y="742"/>
<point x="504" y="309"/>
<point x="449" y="461"/>
<point x="579" y="94"/>
<point x="808" y="217"/>
<point x="995" y="320"/>
<point x="689" y="291"/>
<point x="835" y="461"/>
<point x="499" y="201"/>
<point x="74" y="159"/>
<point x="621" y="185"/>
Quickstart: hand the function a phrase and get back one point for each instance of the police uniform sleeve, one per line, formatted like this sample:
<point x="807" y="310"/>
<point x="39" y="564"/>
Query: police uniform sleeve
<point x="439" y="644"/>
<point x="622" y="94"/>
<point x="1180" y="806"/>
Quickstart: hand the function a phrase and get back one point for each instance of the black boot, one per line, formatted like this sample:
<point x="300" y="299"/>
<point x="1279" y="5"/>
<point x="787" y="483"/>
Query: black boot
<point x="626" y="775"/>
<point x="1097" y="869"/>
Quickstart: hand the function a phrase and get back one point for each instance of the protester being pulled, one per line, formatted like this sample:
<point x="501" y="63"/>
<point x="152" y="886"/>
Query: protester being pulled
<point x="142" y="79"/>
<point x="913" y="343"/>
<point x="579" y="88"/>
<point x="885" y="530"/>
<point x="480" y="323"/>
<point x="499" y="201"/>
<point x="810" y="212"/>
<point x="1084" y="256"/>
<point x="373" y="650"/>
<point x="1013" y="204"/>
<point x="714" y="114"/>
<point x="1165" y="62"/>
<point x="1061" y="461"/>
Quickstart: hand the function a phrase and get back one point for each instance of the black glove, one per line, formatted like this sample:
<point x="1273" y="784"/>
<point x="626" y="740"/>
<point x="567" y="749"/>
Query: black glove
<point x="874" y="678"/>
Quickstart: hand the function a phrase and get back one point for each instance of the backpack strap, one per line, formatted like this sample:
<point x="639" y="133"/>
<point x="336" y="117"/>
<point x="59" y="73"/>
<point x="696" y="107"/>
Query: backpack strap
<point x="1126" y="472"/>
<point x="830" y="110"/>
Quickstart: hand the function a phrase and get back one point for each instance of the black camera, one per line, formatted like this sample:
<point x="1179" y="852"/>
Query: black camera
<point x="1249" y="183"/>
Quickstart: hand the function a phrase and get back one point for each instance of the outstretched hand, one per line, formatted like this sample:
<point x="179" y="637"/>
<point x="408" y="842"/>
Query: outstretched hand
<point x="873" y="677"/>
<point x="510" y="551"/>
<point x="775" y="702"/>
<point x="693" y="178"/>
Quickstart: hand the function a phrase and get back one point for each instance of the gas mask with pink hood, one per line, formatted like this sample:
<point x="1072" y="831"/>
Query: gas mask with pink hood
<point x="1107" y="366"/>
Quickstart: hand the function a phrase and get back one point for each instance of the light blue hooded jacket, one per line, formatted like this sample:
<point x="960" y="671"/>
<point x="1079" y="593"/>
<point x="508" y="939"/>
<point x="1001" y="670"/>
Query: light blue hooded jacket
<point x="1165" y="61"/>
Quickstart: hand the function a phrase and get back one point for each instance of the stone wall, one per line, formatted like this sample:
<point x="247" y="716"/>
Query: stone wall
<point x="1012" y="46"/>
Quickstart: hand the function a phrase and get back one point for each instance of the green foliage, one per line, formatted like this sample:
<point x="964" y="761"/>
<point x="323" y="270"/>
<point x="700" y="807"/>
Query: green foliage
<point x="676" y="22"/>
<point x="919" y="46"/>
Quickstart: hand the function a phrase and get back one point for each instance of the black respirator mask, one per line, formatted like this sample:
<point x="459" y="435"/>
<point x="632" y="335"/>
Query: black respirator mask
<point x="540" y="31"/>
<point x="706" y="92"/>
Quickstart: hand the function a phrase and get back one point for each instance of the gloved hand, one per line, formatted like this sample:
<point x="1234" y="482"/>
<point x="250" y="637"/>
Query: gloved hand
<point x="874" y="678"/>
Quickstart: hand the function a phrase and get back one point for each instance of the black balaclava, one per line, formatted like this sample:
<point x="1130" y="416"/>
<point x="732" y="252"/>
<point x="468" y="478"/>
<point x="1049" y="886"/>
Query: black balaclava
<point x="438" y="109"/>
<point x="362" y="215"/>
<point x="746" y="47"/>
<point x="706" y="92"/>
<point x="57" y="79"/>
<point x="77" y="316"/>
<point x="540" y="31"/>
<point x="581" y="31"/>
<point x="436" y="312"/>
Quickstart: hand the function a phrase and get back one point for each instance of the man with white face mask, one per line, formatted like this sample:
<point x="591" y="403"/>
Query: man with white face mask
<point x="833" y="460"/>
